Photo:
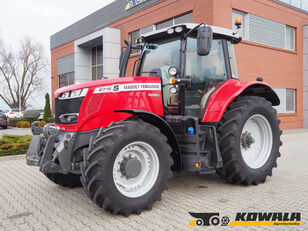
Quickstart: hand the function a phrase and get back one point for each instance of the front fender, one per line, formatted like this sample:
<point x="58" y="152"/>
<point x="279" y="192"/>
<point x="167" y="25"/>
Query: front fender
<point x="165" y="128"/>
<point x="232" y="88"/>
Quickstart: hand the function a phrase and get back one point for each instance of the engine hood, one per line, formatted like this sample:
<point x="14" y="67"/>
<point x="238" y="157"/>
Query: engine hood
<point x="103" y="82"/>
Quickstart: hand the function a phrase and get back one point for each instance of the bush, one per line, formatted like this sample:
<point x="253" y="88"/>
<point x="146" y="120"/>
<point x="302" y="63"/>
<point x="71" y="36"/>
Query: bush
<point x="31" y="115"/>
<point x="14" y="145"/>
<point x="50" y="120"/>
<point x="23" y="124"/>
<point x="47" y="110"/>
<point x="42" y="124"/>
<point x="13" y="121"/>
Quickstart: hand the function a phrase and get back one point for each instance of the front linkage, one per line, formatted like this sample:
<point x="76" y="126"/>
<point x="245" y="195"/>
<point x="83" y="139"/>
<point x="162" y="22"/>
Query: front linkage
<point x="52" y="149"/>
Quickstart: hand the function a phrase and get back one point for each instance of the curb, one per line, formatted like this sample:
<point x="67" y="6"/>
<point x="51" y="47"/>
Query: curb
<point x="15" y="157"/>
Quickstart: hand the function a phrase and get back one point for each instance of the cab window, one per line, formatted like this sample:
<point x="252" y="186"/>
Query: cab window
<point x="206" y="72"/>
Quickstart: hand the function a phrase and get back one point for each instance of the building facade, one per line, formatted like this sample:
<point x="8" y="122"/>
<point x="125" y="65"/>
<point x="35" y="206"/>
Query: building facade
<point x="274" y="46"/>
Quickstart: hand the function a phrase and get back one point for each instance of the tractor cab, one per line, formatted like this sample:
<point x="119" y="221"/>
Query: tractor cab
<point x="191" y="60"/>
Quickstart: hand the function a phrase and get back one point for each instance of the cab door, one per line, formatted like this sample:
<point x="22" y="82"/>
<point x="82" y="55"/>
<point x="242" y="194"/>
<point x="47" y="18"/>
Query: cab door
<point x="207" y="73"/>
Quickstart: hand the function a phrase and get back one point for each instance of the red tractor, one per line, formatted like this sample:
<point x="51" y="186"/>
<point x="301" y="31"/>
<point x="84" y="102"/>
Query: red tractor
<point x="184" y="110"/>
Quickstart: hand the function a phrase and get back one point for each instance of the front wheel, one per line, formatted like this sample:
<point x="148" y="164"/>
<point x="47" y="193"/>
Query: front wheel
<point x="127" y="167"/>
<point x="249" y="140"/>
<point x="65" y="180"/>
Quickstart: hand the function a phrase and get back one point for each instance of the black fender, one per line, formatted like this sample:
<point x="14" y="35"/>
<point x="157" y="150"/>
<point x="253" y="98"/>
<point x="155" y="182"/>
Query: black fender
<point x="263" y="91"/>
<point x="165" y="128"/>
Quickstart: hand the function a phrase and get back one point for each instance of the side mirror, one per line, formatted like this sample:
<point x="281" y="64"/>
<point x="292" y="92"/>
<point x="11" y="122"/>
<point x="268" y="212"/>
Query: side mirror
<point x="204" y="40"/>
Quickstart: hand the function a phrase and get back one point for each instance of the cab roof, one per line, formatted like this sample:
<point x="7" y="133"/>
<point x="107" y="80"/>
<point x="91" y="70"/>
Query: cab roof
<point x="216" y="30"/>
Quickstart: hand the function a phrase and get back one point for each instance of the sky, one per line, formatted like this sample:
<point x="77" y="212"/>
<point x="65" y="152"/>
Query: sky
<point x="39" y="19"/>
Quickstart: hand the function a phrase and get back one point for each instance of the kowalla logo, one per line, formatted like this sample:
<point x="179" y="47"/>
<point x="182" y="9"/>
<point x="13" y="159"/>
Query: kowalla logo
<point x="133" y="3"/>
<point x="247" y="219"/>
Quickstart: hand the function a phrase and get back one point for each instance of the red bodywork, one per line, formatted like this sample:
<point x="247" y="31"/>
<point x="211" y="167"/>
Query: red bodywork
<point x="98" y="110"/>
<point x="223" y="96"/>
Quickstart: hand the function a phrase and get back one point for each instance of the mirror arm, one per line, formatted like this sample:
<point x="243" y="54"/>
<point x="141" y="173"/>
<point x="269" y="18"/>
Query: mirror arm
<point x="192" y="30"/>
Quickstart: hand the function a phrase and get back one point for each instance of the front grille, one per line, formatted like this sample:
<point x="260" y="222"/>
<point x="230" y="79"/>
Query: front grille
<point x="66" y="106"/>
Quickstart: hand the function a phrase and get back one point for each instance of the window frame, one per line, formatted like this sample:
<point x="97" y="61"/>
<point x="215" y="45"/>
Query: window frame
<point x="135" y="51"/>
<point x="96" y="65"/>
<point x="245" y="23"/>
<point x="246" y="27"/>
<point x="67" y="75"/>
<point x="282" y="94"/>
<point x="294" y="99"/>
<point x="293" y="30"/>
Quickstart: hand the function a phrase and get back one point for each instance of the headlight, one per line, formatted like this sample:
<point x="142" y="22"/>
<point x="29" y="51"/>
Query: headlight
<point x="170" y="31"/>
<point x="178" y="29"/>
<point x="172" y="71"/>
<point x="65" y="95"/>
<point x="74" y="94"/>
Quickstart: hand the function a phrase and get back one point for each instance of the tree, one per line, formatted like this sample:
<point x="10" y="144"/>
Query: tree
<point x="47" y="110"/>
<point x="21" y="72"/>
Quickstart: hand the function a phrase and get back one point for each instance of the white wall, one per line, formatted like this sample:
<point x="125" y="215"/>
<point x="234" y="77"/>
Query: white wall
<point x="111" y="41"/>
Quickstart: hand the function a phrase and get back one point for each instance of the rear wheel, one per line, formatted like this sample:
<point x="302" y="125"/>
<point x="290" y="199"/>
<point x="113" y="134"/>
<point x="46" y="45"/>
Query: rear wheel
<point x="65" y="180"/>
<point x="249" y="140"/>
<point x="127" y="166"/>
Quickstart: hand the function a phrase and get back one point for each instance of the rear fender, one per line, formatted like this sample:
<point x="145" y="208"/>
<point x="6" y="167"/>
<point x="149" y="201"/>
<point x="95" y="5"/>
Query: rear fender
<point x="165" y="128"/>
<point x="231" y="89"/>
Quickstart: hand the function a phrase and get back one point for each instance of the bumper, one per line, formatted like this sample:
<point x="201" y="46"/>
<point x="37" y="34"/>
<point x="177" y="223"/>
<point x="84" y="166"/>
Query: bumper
<point x="51" y="150"/>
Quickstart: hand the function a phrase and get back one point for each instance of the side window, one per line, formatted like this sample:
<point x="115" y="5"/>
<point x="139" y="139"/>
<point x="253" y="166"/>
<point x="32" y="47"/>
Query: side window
<point x="232" y="60"/>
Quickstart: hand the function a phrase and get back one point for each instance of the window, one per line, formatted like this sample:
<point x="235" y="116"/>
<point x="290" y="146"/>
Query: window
<point x="164" y="24"/>
<point x="290" y="38"/>
<point x="236" y="13"/>
<point x="97" y="62"/>
<point x="146" y="29"/>
<point x="290" y="101"/>
<point x="66" y="79"/>
<point x="157" y="60"/>
<point x="287" y="100"/>
<point x="185" y="18"/>
<point x="206" y="73"/>
<point x="265" y="31"/>
<point x="301" y="4"/>
<point x="232" y="60"/>
<point x="133" y="38"/>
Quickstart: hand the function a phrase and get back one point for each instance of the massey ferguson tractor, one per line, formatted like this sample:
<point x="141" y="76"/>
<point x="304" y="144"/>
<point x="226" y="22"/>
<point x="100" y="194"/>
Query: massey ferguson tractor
<point x="184" y="109"/>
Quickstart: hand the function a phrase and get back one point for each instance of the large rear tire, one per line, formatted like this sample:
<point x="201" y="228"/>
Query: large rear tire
<point x="66" y="180"/>
<point x="127" y="167"/>
<point x="249" y="140"/>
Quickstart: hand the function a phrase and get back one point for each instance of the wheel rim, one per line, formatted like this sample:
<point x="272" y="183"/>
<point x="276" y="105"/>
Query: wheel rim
<point x="145" y="179"/>
<point x="256" y="141"/>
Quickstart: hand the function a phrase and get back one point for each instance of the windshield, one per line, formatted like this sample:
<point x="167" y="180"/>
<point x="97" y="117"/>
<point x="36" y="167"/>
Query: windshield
<point x="159" y="57"/>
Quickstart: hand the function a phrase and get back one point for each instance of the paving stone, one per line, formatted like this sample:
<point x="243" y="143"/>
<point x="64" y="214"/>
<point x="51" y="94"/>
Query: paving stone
<point x="29" y="201"/>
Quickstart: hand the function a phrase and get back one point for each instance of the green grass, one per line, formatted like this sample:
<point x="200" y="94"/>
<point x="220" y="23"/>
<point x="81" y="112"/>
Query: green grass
<point x="14" y="145"/>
